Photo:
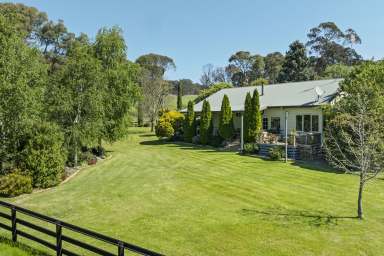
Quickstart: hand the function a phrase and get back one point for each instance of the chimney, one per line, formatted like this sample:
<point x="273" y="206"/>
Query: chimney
<point x="262" y="89"/>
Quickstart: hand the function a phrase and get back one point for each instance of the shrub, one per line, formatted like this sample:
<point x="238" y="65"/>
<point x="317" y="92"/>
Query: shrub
<point x="164" y="129"/>
<point x="169" y="123"/>
<point x="189" y="123"/>
<point x="43" y="155"/>
<point x="215" y="141"/>
<point x="251" y="148"/>
<point x="276" y="153"/>
<point x="205" y="123"/>
<point x="14" y="184"/>
<point x="226" y="119"/>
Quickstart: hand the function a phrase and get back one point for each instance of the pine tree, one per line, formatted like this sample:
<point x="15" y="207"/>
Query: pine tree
<point x="226" y="119"/>
<point x="189" y="123"/>
<point x="247" y="117"/>
<point x="179" y="97"/>
<point x="205" y="123"/>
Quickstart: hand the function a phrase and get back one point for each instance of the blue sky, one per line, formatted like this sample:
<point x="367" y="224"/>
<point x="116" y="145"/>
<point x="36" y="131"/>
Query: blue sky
<point x="198" y="32"/>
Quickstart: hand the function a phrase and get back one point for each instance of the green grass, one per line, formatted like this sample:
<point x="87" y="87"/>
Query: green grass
<point x="183" y="200"/>
<point x="171" y="101"/>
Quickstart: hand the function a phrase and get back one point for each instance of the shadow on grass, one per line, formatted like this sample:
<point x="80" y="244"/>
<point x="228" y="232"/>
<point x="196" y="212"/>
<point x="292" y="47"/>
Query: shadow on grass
<point x="316" y="219"/>
<point x="31" y="251"/>
<point x="183" y="145"/>
<point x="317" y="165"/>
<point x="147" y="135"/>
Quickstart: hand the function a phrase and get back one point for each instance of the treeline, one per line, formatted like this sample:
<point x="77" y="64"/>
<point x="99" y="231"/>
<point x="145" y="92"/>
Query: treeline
<point x="61" y="96"/>
<point x="328" y="53"/>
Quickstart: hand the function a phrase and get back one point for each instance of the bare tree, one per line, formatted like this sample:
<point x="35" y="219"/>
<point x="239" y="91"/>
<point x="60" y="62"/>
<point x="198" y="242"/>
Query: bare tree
<point x="354" y="140"/>
<point x="206" y="78"/>
<point x="212" y="75"/>
<point x="154" y="92"/>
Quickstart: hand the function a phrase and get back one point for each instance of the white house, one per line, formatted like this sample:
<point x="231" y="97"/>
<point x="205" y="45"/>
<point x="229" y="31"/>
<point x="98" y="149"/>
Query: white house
<point x="286" y="107"/>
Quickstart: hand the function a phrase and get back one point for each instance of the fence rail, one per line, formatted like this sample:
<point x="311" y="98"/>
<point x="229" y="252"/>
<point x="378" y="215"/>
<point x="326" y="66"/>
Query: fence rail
<point x="58" y="234"/>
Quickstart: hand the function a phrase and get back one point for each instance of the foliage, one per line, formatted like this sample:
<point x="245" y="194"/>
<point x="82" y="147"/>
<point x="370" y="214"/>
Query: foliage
<point x="337" y="71"/>
<point x="328" y="43"/>
<point x="273" y="65"/>
<point x="180" y="97"/>
<point x="75" y="99"/>
<point x="120" y="88"/>
<point x="251" y="148"/>
<point x="354" y="139"/>
<point x="259" y="81"/>
<point x="240" y="66"/>
<point x="205" y="93"/>
<point x="205" y="123"/>
<point x="276" y="153"/>
<point x="295" y="65"/>
<point x="42" y="155"/>
<point x="22" y="80"/>
<point x="252" y="117"/>
<point x="156" y="64"/>
<point x="169" y="122"/>
<point x="14" y="184"/>
<point x="189" y="123"/>
<point x="226" y="119"/>
<point x="247" y="118"/>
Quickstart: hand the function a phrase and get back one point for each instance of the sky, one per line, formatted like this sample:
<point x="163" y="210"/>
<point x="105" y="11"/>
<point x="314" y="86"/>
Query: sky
<point x="197" y="32"/>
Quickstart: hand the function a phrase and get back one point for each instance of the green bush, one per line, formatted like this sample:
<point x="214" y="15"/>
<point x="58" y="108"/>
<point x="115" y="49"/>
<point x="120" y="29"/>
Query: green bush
<point x="164" y="129"/>
<point x="215" y="141"/>
<point x="14" y="184"/>
<point x="276" y="153"/>
<point x="251" y="148"/>
<point x="43" y="155"/>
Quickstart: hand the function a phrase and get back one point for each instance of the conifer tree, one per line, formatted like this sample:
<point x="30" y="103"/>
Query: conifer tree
<point x="255" y="120"/>
<point x="205" y="123"/>
<point x="247" y="118"/>
<point x="179" y="96"/>
<point x="189" y="123"/>
<point x="226" y="119"/>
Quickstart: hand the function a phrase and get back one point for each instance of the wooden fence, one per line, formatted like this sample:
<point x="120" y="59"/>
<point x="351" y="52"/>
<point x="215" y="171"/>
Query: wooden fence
<point x="15" y="220"/>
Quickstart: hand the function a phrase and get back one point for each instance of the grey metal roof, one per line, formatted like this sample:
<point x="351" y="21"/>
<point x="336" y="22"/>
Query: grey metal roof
<point x="277" y="95"/>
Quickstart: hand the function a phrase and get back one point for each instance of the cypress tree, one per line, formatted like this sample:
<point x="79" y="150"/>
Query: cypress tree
<point x="179" y="96"/>
<point x="205" y="122"/>
<point x="247" y="118"/>
<point x="255" y="122"/>
<point x="189" y="123"/>
<point x="226" y="119"/>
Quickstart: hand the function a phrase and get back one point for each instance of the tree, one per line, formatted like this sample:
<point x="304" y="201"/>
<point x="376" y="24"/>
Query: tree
<point x="154" y="89"/>
<point x="120" y="91"/>
<point x="240" y="66"/>
<point x="189" y="123"/>
<point x="212" y="75"/>
<point x="247" y="118"/>
<point x="273" y="65"/>
<point x="327" y="42"/>
<point x="180" y="97"/>
<point x="259" y="81"/>
<point x="337" y="71"/>
<point x="254" y="118"/>
<point x="74" y="99"/>
<point x="295" y="65"/>
<point x="226" y="119"/>
<point x="23" y="78"/>
<point x="205" y="93"/>
<point x="258" y="67"/>
<point x="354" y="139"/>
<point x="205" y="123"/>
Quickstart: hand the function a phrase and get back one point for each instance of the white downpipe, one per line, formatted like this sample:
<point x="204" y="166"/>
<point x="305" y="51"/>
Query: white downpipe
<point x="286" y="136"/>
<point x="242" y="133"/>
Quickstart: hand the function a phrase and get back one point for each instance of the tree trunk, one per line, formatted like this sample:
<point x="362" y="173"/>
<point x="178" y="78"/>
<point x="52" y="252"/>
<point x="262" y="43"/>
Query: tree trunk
<point x="75" y="160"/>
<point x="152" y="125"/>
<point x="360" y="199"/>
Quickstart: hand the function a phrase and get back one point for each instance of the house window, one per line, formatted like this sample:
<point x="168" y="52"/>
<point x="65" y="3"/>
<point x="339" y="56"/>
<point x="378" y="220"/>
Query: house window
<point x="299" y="123"/>
<point x="315" y="123"/>
<point x="275" y="124"/>
<point x="265" y="123"/>
<point x="307" y="123"/>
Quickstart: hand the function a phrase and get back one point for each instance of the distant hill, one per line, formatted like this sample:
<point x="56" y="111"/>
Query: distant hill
<point x="171" y="101"/>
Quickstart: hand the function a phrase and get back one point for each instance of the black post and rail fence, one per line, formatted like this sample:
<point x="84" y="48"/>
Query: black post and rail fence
<point x="16" y="220"/>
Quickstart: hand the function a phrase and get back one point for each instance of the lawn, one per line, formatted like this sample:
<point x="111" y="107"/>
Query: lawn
<point x="183" y="200"/>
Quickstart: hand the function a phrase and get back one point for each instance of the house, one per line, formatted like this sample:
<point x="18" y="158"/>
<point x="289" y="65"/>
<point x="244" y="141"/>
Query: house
<point x="287" y="108"/>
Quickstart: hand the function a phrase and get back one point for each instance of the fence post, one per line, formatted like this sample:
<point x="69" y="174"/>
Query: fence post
<point x="121" y="249"/>
<point x="59" y="242"/>
<point x="14" y="227"/>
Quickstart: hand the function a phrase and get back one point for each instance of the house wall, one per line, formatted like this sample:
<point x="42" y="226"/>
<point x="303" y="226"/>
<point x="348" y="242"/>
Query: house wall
<point x="292" y="112"/>
<point x="277" y="112"/>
